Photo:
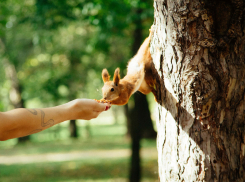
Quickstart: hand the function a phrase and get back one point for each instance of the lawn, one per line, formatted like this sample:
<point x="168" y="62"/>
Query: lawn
<point x="104" y="156"/>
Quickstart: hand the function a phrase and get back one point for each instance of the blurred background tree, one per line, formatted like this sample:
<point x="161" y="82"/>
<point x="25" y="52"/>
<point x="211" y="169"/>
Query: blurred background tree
<point x="53" y="51"/>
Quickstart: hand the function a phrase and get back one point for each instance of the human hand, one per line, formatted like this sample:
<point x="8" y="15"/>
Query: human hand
<point x="87" y="108"/>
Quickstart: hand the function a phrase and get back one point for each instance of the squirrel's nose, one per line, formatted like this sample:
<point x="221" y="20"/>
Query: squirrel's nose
<point x="105" y="98"/>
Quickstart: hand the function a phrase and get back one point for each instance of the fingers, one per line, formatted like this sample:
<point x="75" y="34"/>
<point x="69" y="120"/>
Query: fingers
<point x="102" y="107"/>
<point x="94" y="115"/>
<point x="98" y="107"/>
<point x="86" y="108"/>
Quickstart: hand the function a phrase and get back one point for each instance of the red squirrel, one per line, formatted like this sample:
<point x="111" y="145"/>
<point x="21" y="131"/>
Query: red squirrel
<point x="118" y="91"/>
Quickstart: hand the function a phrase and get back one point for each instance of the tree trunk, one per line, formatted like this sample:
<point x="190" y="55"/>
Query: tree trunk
<point x="15" y="91"/>
<point x="198" y="48"/>
<point x="145" y="118"/>
<point x="139" y="121"/>
<point x="74" y="61"/>
<point x="135" y="133"/>
<point x="73" y="129"/>
<point x="134" y="125"/>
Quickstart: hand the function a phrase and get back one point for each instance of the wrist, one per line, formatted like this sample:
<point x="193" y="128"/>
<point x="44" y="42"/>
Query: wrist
<point x="70" y="110"/>
<point x="66" y="111"/>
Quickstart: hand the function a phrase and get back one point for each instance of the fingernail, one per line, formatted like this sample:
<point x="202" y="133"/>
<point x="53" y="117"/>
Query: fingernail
<point x="107" y="107"/>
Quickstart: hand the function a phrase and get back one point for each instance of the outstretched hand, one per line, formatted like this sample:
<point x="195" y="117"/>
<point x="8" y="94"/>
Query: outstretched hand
<point x="21" y="122"/>
<point x="88" y="109"/>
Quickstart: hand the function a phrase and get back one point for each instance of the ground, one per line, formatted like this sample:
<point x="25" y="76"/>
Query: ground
<point x="96" y="159"/>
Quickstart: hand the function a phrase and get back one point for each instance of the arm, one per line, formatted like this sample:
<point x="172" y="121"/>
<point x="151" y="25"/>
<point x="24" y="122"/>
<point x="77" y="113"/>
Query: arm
<point x="21" y="122"/>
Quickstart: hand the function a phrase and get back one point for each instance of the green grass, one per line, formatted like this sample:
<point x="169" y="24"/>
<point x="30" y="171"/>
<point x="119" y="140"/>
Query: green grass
<point x="72" y="170"/>
<point x="61" y="133"/>
<point x="89" y="169"/>
<point x="96" y="143"/>
<point x="92" y="168"/>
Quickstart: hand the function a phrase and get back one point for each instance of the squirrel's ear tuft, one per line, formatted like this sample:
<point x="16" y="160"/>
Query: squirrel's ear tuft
<point x="116" y="77"/>
<point x="105" y="75"/>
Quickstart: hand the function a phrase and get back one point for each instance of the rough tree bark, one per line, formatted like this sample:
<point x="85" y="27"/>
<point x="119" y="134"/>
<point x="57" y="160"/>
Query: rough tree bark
<point x="198" y="48"/>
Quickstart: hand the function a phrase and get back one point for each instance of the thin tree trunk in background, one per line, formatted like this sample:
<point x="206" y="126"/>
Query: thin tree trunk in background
<point x="198" y="48"/>
<point x="135" y="127"/>
<point x="145" y="118"/>
<point x="139" y="123"/>
<point x="135" y="133"/>
<point x="15" y="91"/>
<point x="73" y="129"/>
<point x="128" y="119"/>
<point x="75" y="61"/>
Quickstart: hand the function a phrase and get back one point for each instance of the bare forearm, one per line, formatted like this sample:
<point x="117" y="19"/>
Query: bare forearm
<point x="22" y="122"/>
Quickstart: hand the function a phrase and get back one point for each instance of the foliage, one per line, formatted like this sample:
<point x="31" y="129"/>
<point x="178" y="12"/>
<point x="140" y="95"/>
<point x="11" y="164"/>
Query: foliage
<point x="59" y="47"/>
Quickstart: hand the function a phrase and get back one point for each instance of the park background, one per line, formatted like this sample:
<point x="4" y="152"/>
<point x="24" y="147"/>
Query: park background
<point x="53" y="51"/>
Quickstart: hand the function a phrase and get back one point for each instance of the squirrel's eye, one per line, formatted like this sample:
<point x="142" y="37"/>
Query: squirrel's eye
<point x="112" y="89"/>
